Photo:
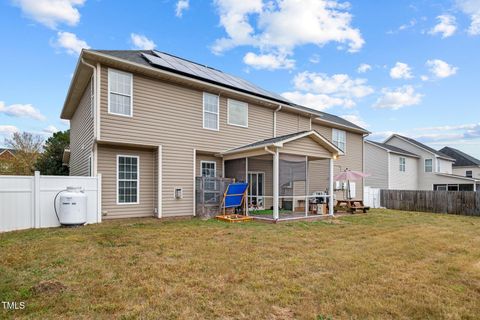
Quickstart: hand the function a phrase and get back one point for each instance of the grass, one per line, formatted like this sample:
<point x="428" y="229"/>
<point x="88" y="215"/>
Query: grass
<point x="382" y="265"/>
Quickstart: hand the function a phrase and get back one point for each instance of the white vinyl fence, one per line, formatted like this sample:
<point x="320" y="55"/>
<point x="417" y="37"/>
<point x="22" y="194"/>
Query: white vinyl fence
<point x="371" y="197"/>
<point x="27" y="201"/>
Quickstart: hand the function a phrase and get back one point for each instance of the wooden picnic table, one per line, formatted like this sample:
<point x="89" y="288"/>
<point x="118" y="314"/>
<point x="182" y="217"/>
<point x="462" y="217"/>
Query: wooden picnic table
<point x="351" y="206"/>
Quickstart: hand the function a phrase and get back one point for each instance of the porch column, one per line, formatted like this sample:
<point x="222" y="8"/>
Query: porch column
<point x="330" y="189"/>
<point x="275" y="183"/>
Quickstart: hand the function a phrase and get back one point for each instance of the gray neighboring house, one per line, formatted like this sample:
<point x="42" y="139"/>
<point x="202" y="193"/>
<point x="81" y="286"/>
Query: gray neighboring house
<point x="402" y="163"/>
<point x="152" y="123"/>
<point x="465" y="165"/>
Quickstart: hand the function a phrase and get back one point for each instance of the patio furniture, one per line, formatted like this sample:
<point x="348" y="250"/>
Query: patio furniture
<point x="351" y="206"/>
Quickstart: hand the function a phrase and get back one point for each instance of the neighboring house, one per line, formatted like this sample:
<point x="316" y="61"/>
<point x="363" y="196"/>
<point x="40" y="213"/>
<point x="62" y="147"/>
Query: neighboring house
<point x="151" y="123"/>
<point x="403" y="163"/>
<point x="6" y="160"/>
<point x="465" y="165"/>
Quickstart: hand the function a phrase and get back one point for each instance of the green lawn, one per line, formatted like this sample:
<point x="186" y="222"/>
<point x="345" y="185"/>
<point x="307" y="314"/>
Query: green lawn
<point x="382" y="265"/>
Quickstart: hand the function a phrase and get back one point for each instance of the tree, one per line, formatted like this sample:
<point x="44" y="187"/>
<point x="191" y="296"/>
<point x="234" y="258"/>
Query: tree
<point x="27" y="148"/>
<point x="50" y="161"/>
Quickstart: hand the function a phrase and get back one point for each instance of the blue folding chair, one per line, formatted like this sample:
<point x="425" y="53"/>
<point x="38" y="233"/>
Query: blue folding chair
<point x="235" y="197"/>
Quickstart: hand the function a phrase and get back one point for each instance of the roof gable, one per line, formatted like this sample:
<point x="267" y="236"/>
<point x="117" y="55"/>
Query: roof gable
<point x="421" y="146"/>
<point x="462" y="159"/>
<point x="392" y="149"/>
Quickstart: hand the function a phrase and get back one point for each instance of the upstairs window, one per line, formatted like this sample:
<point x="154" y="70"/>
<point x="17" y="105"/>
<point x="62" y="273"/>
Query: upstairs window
<point x="428" y="165"/>
<point x="402" y="164"/>
<point x="237" y="113"/>
<point x="339" y="138"/>
<point x="439" y="168"/>
<point x="120" y="93"/>
<point x="210" y="111"/>
<point x="469" y="174"/>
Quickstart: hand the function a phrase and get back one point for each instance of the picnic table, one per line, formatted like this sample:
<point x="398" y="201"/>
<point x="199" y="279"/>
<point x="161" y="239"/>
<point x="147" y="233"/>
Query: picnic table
<point x="351" y="206"/>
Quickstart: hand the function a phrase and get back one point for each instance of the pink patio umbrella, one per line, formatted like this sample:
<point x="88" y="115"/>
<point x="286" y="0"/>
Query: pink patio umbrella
<point x="348" y="175"/>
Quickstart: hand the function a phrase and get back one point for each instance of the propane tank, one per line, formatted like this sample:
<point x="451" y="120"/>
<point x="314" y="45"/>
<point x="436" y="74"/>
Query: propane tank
<point x="73" y="207"/>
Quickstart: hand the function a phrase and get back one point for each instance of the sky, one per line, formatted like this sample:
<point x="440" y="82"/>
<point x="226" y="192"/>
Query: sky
<point x="407" y="67"/>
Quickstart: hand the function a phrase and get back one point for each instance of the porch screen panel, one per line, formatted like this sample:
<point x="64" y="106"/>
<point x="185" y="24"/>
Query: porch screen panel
<point x="292" y="175"/>
<point x="235" y="169"/>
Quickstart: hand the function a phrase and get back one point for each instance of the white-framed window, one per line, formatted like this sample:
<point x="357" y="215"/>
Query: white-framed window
<point x="237" y="113"/>
<point x="439" y="168"/>
<point x="428" y="165"/>
<point x="402" y="163"/>
<point x="120" y="93"/>
<point x="211" y="111"/>
<point x="92" y="96"/>
<point x="469" y="174"/>
<point x="209" y="168"/>
<point x="128" y="179"/>
<point x="339" y="138"/>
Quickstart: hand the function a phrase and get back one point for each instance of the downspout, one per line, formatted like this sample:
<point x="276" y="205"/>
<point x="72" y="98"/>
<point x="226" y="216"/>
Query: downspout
<point x="275" y="120"/>
<point x="94" y="151"/>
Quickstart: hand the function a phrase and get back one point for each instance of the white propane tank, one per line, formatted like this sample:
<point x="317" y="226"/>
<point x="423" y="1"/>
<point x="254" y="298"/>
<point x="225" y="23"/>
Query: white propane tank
<point x="73" y="207"/>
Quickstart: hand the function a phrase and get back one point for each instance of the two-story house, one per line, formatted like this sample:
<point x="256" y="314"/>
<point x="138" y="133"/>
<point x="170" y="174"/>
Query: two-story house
<point x="403" y="163"/>
<point x="150" y="123"/>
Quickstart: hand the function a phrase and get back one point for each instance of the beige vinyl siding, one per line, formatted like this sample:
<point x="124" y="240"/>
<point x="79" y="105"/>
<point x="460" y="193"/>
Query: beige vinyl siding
<point x="81" y="133"/>
<point x="205" y="157"/>
<point x="306" y="146"/>
<point x="353" y="158"/>
<point x="445" y="166"/>
<point x="400" y="180"/>
<point x="376" y="164"/>
<point x="318" y="172"/>
<point x="107" y="166"/>
<point x="462" y="171"/>
<point x="288" y="122"/>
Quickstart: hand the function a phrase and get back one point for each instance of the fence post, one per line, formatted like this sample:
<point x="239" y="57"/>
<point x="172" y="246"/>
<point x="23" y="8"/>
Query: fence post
<point x="99" y="198"/>
<point x="36" y="199"/>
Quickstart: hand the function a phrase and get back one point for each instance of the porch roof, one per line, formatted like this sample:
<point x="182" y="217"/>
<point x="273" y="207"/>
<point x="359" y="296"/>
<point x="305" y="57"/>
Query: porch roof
<point x="279" y="142"/>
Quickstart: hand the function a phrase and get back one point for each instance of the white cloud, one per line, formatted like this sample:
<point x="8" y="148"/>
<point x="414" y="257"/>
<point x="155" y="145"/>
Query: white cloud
<point x="321" y="91"/>
<point x="364" y="67"/>
<point x="446" y="26"/>
<point x="141" y="42"/>
<point x="314" y="59"/>
<point x="21" y="111"/>
<point x="50" y="129"/>
<point x="70" y="43"/>
<point x="65" y="122"/>
<point x="472" y="9"/>
<point x="424" y="77"/>
<point x="268" y="61"/>
<point x="355" y="119"/>
<point x="441" y="69"/>
<point x="51" y="12"/>
<point x="401" y="71"/>
<point x="182" y="5"/>
<point x="398" y="98"/>
<point x="273" y="26"/>
<point x="7" y="130"/>
<point x="408" y="25"/>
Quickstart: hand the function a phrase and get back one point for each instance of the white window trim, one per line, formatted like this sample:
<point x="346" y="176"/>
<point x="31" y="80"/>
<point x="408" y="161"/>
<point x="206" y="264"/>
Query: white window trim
<point x="425" y="166"/>
<point x="217" y="113"/>
<point x="138" y="180"/>
<point x="92" y="96"/>
<point x="402" y="164"/>
<point x="228" y="113"/>
<point x="471" y="173"/>
<point x="333" y="141"/>
<point x="131" y="93"/>
<point x="210" y="162"/>
<point x="90" y="165"/>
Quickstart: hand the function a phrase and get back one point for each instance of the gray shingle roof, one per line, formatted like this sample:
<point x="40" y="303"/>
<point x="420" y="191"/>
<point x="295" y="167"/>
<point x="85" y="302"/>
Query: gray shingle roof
<point x="393" y="148"/>
<point x="270" y="141"/>
<point x="205" y="73"/>
<point x="421" y="145"/>
<point x="7" y="149"/>
<point x="462" y="159"/>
